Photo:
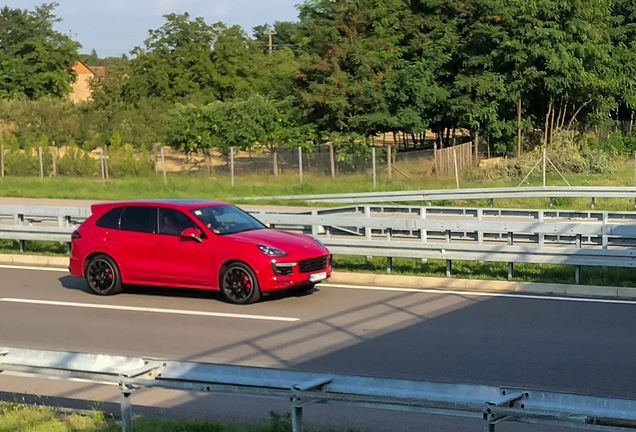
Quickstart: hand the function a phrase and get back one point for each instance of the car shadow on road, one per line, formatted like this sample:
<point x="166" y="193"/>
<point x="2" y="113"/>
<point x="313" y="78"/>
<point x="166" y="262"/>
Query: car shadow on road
<point x="79" y="284"/>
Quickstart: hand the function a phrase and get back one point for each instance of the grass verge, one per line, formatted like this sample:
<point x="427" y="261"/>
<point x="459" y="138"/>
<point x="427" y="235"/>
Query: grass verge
<point x="20" y="418"/>
<point x="547" y="273"/>
<point x="263" y="184"/>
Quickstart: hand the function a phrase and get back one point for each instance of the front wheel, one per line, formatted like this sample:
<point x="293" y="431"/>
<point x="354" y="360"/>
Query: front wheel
<point x="102" y="275"/>
<point x="239" y="284"/>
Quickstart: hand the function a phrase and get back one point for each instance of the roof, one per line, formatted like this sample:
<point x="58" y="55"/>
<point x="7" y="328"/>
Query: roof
<point x="99" y="71"/>
<point x="81" y="69"/>
<point x="183" y="203"/>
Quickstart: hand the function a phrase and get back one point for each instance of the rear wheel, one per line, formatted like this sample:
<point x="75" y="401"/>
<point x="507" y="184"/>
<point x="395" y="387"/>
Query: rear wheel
<point x="239" y="284"/>
<point x="103" y="276"/>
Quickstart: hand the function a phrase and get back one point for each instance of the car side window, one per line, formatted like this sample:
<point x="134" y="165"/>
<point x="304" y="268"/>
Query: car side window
<point x="110" y="219"/>
<point x="139" y="219"/>
<point x="173" y="222"/>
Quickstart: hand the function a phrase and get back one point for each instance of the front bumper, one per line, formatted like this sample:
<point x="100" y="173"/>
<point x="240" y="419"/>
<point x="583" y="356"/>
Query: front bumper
<point x="270" y="281"/>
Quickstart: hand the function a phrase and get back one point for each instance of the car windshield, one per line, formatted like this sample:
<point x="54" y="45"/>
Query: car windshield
<point x="226" y="219"/>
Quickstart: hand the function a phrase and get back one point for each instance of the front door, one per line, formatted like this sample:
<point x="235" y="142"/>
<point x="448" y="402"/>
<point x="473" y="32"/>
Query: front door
<point x="181" y="260"/>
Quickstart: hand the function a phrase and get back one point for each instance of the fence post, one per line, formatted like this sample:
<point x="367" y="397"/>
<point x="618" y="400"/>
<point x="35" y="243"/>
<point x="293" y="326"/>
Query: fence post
<point x="388" y="161"/>
<point x="53" y="159"/>
<point x="232" y="165"/>
<point x="163" y="164"/>
<point x="373" y="162"/>
<point x="41" y="165"/>
<point x="634" y="168"/>
<point x="332" y="161"/>
<point x="101" y="164"/>
<point x="300" y="163"/>
<point x="456" y="172"/>
<point x="105" y="161"/>
<point x="544" y="157"/>
<point x="1" y="162"/>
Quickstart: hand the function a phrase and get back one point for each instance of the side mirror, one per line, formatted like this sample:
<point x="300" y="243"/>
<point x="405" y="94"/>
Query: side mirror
<point x="192" y="233"/>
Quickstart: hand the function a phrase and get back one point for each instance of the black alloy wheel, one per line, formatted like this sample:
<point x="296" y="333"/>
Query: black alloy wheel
<point x="103" y="276"/>
<point x="239" y="284"/>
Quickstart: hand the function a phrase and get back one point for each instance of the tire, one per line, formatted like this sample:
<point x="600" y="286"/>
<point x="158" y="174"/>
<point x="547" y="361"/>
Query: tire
<point x="239" y="285"/>
<point x="303" y="289"/>
<point x="103" y="276"/>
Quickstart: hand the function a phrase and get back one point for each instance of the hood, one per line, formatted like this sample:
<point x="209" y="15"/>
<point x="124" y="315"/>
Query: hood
<point x="296" y="244"/>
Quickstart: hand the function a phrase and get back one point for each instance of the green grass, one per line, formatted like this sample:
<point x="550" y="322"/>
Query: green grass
<point x="547" y="273"/>
<point x="264" y="184"/>
<point x="21" y="418"/>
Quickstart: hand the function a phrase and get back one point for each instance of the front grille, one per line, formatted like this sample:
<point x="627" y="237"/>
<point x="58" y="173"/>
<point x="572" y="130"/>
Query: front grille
<point x="312" y="264"/>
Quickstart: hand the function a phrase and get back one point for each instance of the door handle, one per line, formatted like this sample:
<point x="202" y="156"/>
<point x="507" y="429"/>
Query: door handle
<point x="158" y="242"/>
<point x="111" y="239"/>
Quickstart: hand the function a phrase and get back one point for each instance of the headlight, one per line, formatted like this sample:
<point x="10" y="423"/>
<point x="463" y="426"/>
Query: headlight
<point x="271" y="251"/>
<point x="318" y="241"/>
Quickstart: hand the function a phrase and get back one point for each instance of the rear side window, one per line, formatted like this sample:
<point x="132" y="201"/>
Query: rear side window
<point x="139" y="219"/>
<point x="110" y="219"/>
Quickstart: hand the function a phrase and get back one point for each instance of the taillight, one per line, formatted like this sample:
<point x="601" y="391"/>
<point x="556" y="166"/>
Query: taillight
<point x="76" y="235"/>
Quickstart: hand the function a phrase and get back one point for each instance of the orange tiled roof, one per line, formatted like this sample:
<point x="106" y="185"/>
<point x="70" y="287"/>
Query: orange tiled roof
<point x="81" y="69"/>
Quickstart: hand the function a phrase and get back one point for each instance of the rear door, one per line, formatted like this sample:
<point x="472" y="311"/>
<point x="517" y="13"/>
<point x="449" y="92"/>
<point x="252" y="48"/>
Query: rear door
<point x="135" y="243"/>
<point x="181" y="260"/>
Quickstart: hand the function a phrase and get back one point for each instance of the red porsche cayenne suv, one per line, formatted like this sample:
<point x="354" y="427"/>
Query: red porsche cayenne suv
<point x="193" y="244"/>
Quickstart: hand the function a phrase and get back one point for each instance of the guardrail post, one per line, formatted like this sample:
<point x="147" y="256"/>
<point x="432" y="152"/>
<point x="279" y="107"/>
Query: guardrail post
<point x="551" y="201"/>
<point x="367" y="230"/>
<point x="541" y="235"/>
<point x="492" y="202"/>
<point x="423" y="232"/>
<point x="577" y="269"/>
<point x="389" y="260"/>
<point x="511" y="265"/>
<point x="449" y="263"/>
<point x="126" y="410"/>
<point x="297" y="418"/>
<point x="604" y="239"/>
<point x="314" y="227"/>
<point x="593" y="202"/>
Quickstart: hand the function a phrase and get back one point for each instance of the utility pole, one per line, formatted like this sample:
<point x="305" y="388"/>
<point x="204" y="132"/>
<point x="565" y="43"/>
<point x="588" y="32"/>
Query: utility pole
<point x="270" y="33"/>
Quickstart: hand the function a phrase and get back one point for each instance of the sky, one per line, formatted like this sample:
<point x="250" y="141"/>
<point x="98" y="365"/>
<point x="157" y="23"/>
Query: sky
<point x="114" y="27"/>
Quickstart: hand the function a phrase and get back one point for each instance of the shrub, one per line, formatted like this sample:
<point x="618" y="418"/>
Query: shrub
<point x="77" y="163"/>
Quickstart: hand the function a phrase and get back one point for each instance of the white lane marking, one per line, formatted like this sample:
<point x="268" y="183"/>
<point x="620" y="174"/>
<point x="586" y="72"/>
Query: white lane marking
<point x="481" y="294"/>
<point x="412" y="290"/>
<point x="19" y="267"/>
<point x="145" y="309"/>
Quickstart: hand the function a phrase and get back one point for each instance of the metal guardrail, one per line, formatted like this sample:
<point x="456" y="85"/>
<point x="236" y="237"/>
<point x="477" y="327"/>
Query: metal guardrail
<point x="569" y="237"/>
<point x="551" y="192"/>
<point x="490" y="403"/>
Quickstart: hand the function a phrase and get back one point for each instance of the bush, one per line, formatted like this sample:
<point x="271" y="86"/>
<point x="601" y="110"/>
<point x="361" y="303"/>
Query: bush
<point x="77" y="163"/>
<point x="569" y="152"/>
<point x="122" y="162"/>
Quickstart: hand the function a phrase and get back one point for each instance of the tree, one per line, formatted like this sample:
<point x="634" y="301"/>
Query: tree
<point x="35" y="60"/>
<point x="354" y="53"/>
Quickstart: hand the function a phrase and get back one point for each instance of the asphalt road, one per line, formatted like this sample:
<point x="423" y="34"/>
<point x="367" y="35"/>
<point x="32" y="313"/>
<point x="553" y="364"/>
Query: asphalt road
<point x="571" y="345"/>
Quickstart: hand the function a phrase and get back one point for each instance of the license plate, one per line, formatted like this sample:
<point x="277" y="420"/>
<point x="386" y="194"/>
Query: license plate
<point x="318" y="277"/>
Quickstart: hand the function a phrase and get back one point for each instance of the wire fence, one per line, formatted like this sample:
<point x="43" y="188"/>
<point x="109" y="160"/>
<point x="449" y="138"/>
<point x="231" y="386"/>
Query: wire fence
<point x="406" y="160"/>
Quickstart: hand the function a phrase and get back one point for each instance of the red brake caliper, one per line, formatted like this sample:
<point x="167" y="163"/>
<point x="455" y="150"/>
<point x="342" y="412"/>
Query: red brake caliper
<point x="248" y="285"/>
